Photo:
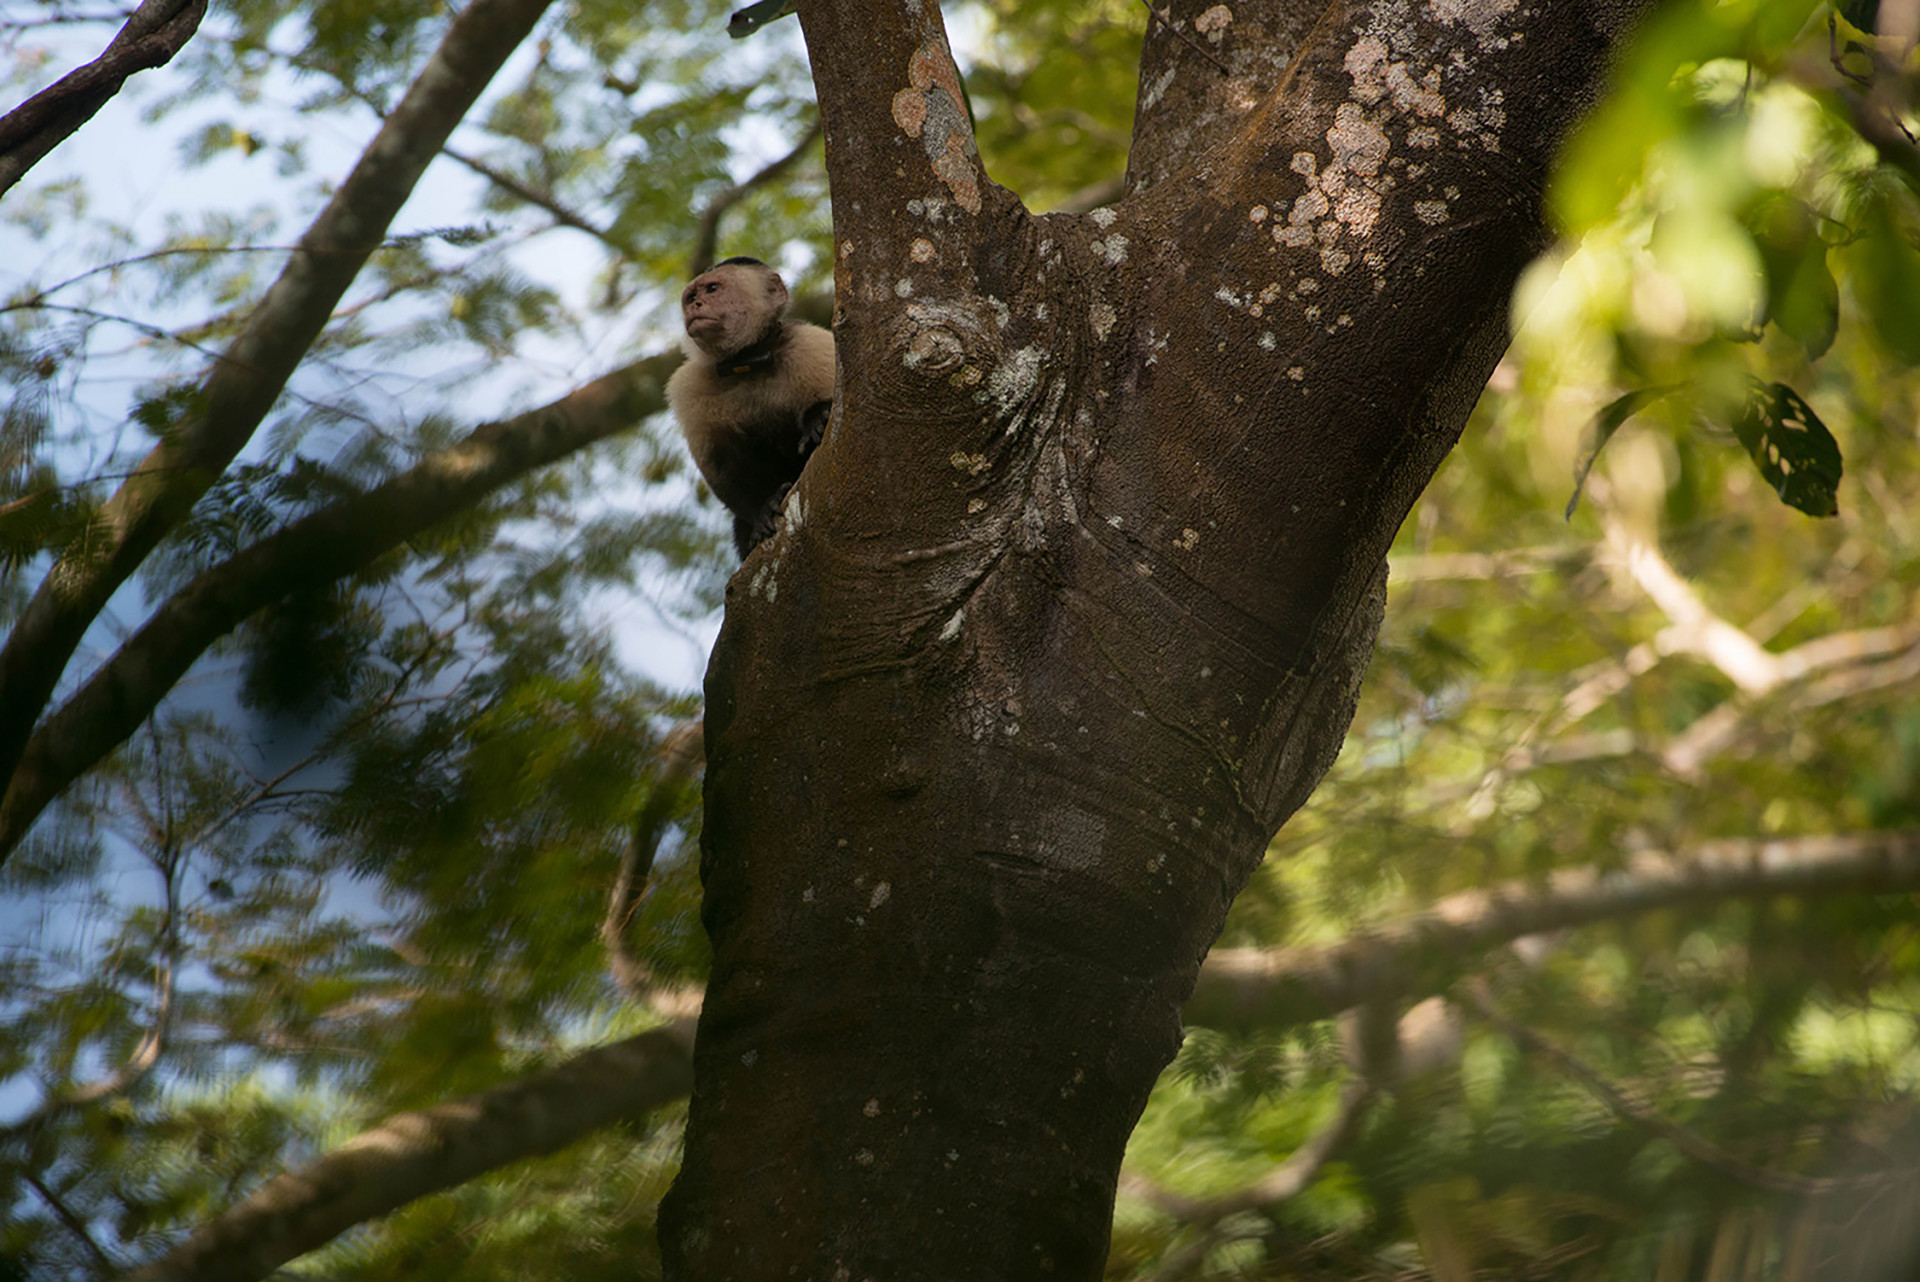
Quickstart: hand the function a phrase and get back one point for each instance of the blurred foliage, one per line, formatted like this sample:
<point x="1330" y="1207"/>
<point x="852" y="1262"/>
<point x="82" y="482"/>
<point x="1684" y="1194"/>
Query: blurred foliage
<point x="1736" y="259"/>
<point x="372" y="836"/>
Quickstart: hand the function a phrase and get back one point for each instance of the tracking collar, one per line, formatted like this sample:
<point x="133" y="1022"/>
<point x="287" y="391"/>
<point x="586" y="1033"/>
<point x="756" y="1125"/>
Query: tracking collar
<point x="752" y="359"/>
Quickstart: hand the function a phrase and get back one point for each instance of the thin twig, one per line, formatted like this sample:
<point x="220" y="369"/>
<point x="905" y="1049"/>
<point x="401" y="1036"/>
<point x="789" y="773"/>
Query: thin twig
<point x="75" y="1225"/>
<point x="65" y="19"/>
<point x="152" y="1044"/>
<point x="268" y="790"/>
<point x="1697" y="1147"/>
<point x="707" y="240"/>
<point x="537" y="198"/>
<point x="1185" y="39"/>
<point x="1282" y="1183"/>
<point x="681" y="754"/>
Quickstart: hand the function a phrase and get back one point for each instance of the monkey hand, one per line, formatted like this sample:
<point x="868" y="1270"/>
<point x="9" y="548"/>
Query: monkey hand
<point x="748" y="534"/>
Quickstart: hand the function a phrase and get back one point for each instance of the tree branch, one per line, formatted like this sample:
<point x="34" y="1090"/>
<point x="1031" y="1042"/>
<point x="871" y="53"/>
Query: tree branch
<point x="148" y="1052"/>
<point x="1282" y="1183"/>
<point x="413" y="1154"/>
<point x="1187" y="107"/>
<point x="1695" y="629"/>
<point x="75" y="1225"/>
<point x="885" y="74"/>
<point x="299" y="1212"/>
<point x="244" y="384"/>
<point x="1697" y="1147"/>
<point x="155" y="31"/>
<point x="336" y="541"/>
<point x="1713" y="732"/>
<point x="1434" y="567"/>
<point x="538" y="199"/>
<point x="681" y="755"/>
<point x="1846" y="658"/>
<point x="1419" y="955"/>
<point x="419" y="1153"/>
<point x="707" y="240"/>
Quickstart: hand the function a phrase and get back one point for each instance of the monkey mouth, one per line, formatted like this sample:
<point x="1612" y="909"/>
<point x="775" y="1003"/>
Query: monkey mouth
<point x="696" y="324"/>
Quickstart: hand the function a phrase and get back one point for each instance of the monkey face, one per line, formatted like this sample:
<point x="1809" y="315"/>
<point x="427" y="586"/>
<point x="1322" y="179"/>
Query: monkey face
<point x="733" y="305"/>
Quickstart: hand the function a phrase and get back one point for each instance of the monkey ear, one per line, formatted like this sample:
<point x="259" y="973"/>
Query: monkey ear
<point x="776" y="289"/>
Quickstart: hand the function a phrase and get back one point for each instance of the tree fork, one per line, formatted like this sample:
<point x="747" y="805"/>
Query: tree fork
<point x="1071" y="607"/>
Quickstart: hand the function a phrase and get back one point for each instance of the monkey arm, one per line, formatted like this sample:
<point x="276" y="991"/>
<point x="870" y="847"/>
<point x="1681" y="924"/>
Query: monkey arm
<point x="749" y="530"/>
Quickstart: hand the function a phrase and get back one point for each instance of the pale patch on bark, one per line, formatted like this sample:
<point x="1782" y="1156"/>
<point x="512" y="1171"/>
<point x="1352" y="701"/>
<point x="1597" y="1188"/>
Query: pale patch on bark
<point x="1358" y="143"/>
<point x="932" y="110"/>
<point x="1377" y="76"/>
<point x="931" y="208"/>
<point x="955" y="168"/>
<point x="1014" y="381"/>
<point x="1341" y="206"/>
<point x="910" y="111"/>
<point x="765" y="581"/>
<point x="1070" y="838"/>
<point x="1157" y="90"/>
<point x="1482" y="17"/>
<point x="1214" y="22"/>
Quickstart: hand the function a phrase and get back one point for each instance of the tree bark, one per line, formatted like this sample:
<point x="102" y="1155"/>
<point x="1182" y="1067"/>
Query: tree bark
<point x="1071" y="607"/>
<point x="154" y="32"/>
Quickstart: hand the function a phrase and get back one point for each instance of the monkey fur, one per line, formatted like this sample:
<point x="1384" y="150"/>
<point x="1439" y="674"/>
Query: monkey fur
<point x="753" y="397"/>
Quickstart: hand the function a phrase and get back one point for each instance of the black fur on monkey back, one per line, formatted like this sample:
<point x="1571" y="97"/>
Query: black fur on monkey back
<point x="749" y="532"/>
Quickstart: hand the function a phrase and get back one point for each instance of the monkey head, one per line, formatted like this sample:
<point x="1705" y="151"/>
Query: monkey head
<point x="732" y="306"/>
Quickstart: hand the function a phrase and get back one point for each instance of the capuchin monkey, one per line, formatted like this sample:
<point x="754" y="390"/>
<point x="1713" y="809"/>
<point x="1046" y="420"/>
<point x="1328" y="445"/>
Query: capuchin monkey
<point x="754" y="394"/>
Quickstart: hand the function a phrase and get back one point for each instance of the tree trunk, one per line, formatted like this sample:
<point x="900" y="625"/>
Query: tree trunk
<point x="1070" y="610"/>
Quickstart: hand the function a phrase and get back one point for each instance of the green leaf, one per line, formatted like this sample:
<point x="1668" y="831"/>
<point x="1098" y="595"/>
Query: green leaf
<point x="1805" y="304"/>
<point x="1792" y="448"/>
<point x="1802" y="298"/>
<point x="1608" y="421"/>
<point x="1886" y="277"/>
<point x="34" y="523"/>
